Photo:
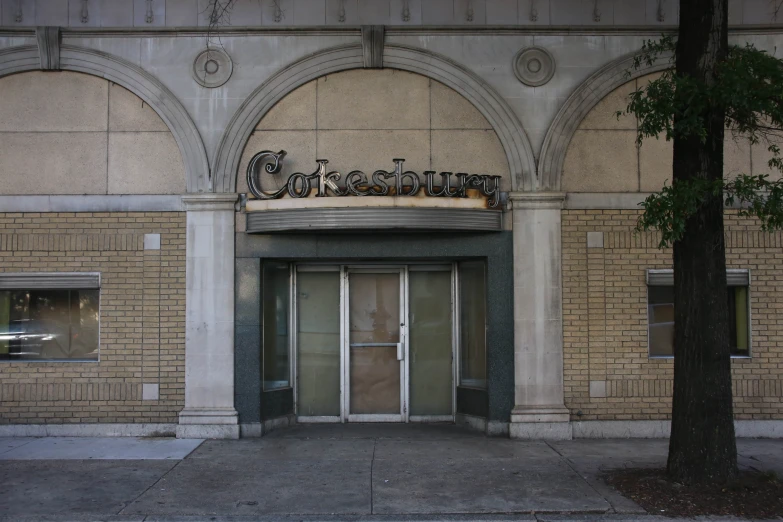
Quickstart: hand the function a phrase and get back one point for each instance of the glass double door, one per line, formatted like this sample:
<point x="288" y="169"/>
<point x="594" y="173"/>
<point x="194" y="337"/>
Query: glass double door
<point x="384" y="353"/>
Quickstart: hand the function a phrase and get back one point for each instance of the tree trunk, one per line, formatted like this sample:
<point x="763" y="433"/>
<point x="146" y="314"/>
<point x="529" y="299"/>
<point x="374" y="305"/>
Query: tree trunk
<point x="702" y="447"/>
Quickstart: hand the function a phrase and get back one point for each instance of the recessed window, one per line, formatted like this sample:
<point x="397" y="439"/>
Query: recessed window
<point x="473" y="324"/>
<point x="49" y="317"/>
<point x="660" y="312"/>
<point x="276" y="290"/>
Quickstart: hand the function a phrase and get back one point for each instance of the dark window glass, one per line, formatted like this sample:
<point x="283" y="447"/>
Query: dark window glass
<point x="473" y="324"/>
<point x="660" y="315"/>
<point x="276" y="287"/>
<point x="49" y="324"/>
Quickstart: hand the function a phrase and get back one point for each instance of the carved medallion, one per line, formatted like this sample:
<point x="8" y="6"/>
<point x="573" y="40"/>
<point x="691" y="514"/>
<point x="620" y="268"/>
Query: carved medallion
<point x="534" y="66"/>
<point x="212" y="68"/>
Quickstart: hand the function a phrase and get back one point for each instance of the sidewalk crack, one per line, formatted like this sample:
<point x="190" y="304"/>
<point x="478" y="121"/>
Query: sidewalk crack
<point x="372" y="464"/>
<point x="588" y="482"/>
<point x="19" y="446"/>
<point x="120" y="512"/>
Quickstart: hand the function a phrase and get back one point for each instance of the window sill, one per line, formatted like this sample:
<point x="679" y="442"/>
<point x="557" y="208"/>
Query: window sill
<point x="2" y="361"/>
<point x="671" y="357"/>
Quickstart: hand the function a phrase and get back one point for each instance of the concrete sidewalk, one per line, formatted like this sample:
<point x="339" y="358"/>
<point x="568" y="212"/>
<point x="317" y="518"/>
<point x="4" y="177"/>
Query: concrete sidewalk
<point x="330" y="472"/>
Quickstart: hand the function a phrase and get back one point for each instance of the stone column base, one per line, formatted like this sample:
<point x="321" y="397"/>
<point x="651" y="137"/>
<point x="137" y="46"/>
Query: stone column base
<point x="200" y="423"/>
<point x="545" y="422"/>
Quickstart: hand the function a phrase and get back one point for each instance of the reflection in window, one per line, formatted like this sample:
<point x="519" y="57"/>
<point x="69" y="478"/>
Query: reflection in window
<point x="318" y="337"/>
<point x="276" y="284"/>
<point x="472" y="318"/>
<point x="49" y="324"/>
<point x="660" y="313"/>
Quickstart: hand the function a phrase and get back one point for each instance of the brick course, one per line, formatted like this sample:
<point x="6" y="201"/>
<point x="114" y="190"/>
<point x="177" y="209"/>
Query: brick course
<point x="605" y="319"/>
<point x="142" y="328"/>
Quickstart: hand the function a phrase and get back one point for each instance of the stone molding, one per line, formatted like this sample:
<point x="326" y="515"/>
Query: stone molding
<point x="541" y="200"/>
<point x="490" y="104"/>
<point x="89" y="430"/>
<point x="209" y="202"/>
<point x="92" y="203"/>
<point x="138" y="81"/>
<point x="578" y="105"/>
<point x="639" y="429"/>
<point x="372" y="46"/>
<point x="49" y="47"/>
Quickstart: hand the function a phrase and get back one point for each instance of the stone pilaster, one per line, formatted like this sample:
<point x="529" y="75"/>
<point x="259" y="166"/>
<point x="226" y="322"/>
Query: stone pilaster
<point x="209" y="328"/>
<point x="539" y="411"/>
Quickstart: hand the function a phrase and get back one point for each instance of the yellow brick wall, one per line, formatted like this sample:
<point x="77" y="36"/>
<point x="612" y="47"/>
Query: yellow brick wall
<point x="142" y="328"/>
<point x="605" y="319"/>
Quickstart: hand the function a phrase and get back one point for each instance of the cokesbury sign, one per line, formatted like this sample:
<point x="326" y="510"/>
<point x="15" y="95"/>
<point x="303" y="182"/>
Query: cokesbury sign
<point x="357" y="183"/>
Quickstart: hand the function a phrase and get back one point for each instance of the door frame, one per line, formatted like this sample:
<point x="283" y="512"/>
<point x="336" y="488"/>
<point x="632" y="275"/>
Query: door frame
<point x="402" y="346"/>
<point x="344" y="269"/>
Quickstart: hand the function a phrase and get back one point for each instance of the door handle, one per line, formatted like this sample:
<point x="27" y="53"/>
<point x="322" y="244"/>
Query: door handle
<point x="400" y="352"/>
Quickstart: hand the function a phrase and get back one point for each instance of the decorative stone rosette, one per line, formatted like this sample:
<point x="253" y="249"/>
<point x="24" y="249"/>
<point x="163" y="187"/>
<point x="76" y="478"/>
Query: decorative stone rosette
<point x="212" y="68"/>
<point x="534" y="66"/>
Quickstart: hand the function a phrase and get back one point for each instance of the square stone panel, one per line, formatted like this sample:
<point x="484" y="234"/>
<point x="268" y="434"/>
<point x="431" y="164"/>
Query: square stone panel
<point x="369" y="151"/>
<point x="140" y="14"/>
<point x="396" y="10"/>
<point x="525" y="7"/>
<point x="116" y="13"/>
<point x="604" y="115"/>
<point x="128" y="112"/>
<point x="296" y="111"/>
<point x="760" y="159"/>
<point x="333" y="12"/>
<point x="300" y="146"/>
<point x="373" y="99"/>
<point x="736" y="155"/>
<point x="451" y="111"/>
<point x="479" y="12"/>
<point x="243" y="13"/>
<point x="437" y="12"/>
<point x="601" y="161"/>
<point x="53" y="101"/>
<point x="310" y="12"/>
<point x="51" y="12"/>
<point x="9" y="9"/>
<point x="470" y="151"/>
<point x="53" y="163"/>
<point x="374" y="12"/>
<point x="145" y="163"/>
<point x="655" y="164"/>
<point x="503" y="12"/>
<point x="181" y="13"/>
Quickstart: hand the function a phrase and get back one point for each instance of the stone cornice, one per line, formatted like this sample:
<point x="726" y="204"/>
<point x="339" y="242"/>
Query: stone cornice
<point x="522" y="200"/>
<point x="391" y="30"/>
<point x="209" y="201"/>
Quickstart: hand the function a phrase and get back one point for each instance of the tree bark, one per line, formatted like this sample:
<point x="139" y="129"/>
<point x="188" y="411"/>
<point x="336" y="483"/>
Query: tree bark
<point x="702" y="447"/>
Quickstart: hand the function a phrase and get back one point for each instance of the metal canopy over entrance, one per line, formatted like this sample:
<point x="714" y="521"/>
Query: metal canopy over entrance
<point x="374" y="343"/>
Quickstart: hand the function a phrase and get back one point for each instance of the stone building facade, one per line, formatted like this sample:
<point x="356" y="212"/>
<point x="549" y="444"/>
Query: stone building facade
<point x="147" y="288"/>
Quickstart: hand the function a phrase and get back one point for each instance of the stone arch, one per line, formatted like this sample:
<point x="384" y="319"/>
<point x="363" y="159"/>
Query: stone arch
<point x="139" y="82"/>
<point x="576" y="108"/>
<point x="497" y="112"/>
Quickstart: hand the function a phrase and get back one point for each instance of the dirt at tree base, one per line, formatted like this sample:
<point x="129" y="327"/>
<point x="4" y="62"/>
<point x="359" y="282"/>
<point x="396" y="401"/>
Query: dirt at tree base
<point x="752" y="495"/>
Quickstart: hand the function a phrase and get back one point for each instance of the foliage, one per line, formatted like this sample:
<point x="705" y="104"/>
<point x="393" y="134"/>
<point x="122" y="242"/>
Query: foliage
<point x="748" y="86"/>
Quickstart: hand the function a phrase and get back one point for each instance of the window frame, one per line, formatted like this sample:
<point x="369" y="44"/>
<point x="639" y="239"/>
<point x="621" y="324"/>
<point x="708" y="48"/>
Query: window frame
<point x="474" y="384"/>
<point x="734" y="277"/>
<point x="55" y="281"/>
<point x="290" y="324"/>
